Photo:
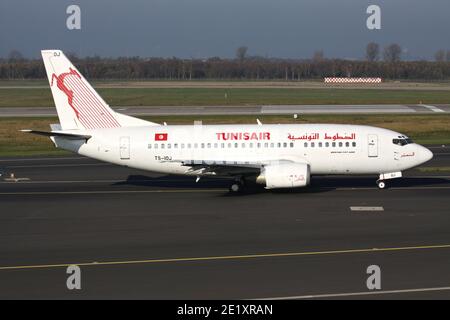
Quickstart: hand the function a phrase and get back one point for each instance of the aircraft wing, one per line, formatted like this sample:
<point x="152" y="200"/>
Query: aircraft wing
<point x="227" y="167"/>
<point x="223" y="169"/>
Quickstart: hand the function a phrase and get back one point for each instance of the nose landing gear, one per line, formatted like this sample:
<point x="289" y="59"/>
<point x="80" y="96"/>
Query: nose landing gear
<point x="381" y="184"/>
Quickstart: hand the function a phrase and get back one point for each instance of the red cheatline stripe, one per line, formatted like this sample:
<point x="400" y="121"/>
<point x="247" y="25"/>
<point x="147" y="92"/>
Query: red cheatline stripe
<point x="95" y="105"/>
<point x="81" y="119"/>
<point x="80" y="104"/>
<point x="84" y="112"/>
<point x="100" y="103"/>
<point x="107" y="122"/>
<point x="89" y="108"/>
<point x="88" y="111"/>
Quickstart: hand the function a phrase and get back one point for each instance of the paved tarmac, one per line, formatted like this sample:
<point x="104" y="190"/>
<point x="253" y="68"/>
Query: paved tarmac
<point x="136" y="234"/>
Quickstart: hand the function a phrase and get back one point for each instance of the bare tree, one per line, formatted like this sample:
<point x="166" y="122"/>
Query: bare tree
<point x="392" y="53"/>
<point x="318" y="55"/>
<point x="440" y="55"/>
<point x="241" y="53"/>
<point x="72" y="56"/>
<point x="15" y="55"/>
<point x="219" y="68"/>
<point x="372" y="51"/>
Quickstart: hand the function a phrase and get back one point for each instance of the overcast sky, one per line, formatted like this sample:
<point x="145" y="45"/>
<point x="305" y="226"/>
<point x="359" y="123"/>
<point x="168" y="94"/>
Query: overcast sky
<point x="205" y="28"/>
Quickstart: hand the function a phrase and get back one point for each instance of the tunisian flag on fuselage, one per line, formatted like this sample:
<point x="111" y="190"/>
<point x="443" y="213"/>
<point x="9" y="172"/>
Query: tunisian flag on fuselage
<point x="161" y="136"/>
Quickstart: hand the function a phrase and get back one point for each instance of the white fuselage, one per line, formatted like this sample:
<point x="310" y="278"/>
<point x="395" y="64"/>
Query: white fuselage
<point x="327" y="148"/>
<point x="279" y="156"/>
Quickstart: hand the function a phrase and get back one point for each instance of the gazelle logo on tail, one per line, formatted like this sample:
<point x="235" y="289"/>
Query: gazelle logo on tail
<point x="78" y="104"/>
<point x="89" y="109"/>
<point x="62" y="86"/>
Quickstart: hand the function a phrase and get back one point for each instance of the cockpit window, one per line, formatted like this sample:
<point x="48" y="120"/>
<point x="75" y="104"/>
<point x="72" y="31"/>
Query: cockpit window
<point x="402" y="141"/>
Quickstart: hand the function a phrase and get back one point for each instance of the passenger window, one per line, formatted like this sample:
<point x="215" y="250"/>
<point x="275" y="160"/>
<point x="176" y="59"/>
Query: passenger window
<point x="258" y="145"/>
<point x="327" y="144"/>
<point x="284" y="145"/>
<point x="236" y="145"/>
<point x="195" y="145"/>
<point x="156" y="146"/>
<point x="149" y="145"/>
<point x="333" y="144"/>
<point x="347" y="144"/>
<point x="266" y="145"/>
<point x="305" y="144"/>
<point x="182" y="146"/>
<point x="291" y="144"/>
<point x="272" y="145"/>
<point x="340" y="144"/>
<point x="354" y="144"/>
<point x="251" y="145"/>
<point x="162" y="145"/>
<point x="229" y="145"/>
<point x="312" y="144"/>
<point x="202" y="146"/>
<point x="215" y="145"/>
<point x="175" y="145"/>
<point x="209" y="145"/>
<point x="320" y="144"/>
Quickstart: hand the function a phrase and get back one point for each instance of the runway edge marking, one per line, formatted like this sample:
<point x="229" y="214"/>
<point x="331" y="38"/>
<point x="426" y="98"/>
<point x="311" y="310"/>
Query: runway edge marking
<point x="231" y="257"/>
<point x="362" y="208"/>
<point x="353" y="294"/>
<point x="432" y="108"/>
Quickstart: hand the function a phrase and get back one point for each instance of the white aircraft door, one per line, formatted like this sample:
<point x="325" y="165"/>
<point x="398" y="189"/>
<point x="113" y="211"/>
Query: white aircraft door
<point x="124" y="148"/>
<point x="372" y="145"/>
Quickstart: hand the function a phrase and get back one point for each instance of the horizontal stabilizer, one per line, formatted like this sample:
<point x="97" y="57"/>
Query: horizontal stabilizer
<point x="70" y="136"/>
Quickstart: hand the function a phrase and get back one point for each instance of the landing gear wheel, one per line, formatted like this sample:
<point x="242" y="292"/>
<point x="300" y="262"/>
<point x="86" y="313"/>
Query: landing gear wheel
<point x="235" y="187"/>
<point x="381" y="184"/>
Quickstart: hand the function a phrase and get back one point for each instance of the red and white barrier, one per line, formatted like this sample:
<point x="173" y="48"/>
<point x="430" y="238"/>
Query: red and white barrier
<point x="351" y="80"/>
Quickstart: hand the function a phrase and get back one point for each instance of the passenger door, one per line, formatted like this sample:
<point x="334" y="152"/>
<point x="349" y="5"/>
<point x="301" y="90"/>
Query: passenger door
<point x="124" y="148"/>
<point x="372" y="145"/>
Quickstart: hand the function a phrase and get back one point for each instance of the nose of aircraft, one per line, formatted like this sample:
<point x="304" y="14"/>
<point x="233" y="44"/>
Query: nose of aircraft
<point x="424" y="154"/>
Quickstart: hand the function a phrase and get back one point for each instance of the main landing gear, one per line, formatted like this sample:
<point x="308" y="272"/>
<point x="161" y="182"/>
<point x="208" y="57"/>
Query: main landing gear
<point x="237" y="186"/>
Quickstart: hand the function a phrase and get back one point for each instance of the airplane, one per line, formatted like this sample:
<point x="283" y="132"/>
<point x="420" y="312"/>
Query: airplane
<point x="275" y="156"/>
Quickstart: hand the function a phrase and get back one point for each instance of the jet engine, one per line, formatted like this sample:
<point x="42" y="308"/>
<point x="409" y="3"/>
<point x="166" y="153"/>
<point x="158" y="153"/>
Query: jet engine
<point x="285" y="175"/>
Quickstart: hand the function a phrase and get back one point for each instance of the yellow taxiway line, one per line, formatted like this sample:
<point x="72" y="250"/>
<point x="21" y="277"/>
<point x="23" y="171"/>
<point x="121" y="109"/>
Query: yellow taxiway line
<point x="230" y="257"/>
